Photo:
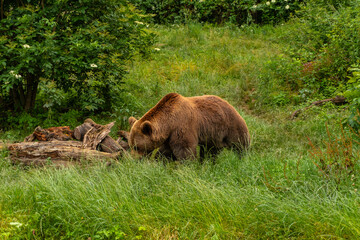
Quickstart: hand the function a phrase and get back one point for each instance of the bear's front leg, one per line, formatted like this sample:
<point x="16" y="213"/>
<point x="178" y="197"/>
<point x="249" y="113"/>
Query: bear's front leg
<point x="165" y="151"/>
<point x="184" y="148"/>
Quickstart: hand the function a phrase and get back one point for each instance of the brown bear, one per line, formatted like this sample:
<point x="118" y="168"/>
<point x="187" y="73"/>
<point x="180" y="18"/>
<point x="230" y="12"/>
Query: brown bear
<point x="177" y="125"/>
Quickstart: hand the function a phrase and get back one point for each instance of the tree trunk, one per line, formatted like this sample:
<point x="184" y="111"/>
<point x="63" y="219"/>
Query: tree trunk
<point x="32" y="82"/>
<point x="33" y="95"/>
<point x="16" y="99"/>
<point x="2" y="9"/>
<point x="21" y="93"/>
<point x="29" y="93"/>
<point x="110" y="145"/>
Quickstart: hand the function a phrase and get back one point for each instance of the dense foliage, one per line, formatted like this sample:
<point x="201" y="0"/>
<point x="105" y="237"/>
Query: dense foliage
<point x="73" y="53"/>
<point x="219" y="11"/>
<point x="325" y="39"/>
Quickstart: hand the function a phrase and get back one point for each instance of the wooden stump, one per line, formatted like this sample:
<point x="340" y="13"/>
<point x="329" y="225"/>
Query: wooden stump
<point x="94" y="135"/>
<point x="80" y="131"/>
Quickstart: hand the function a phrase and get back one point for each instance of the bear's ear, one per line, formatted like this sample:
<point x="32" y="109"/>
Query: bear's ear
<point x="132" y="120"/>
<point x="146" y="128"/>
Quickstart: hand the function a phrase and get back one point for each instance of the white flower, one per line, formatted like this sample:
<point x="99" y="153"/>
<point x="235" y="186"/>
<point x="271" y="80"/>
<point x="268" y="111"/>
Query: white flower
<point x="287" y="7"/>
<point x="137" y="22"/>
<point x="93" y="65"/>
<point x="201" y="0"/>
<point x="26" y="46"/>
<point x="17" y="76"/>
<point x="157" y="49"/>
<point x="273" y="1"/>
<point x="255" y="6"/>
<point x="268" y="3"/>
<point x="16" y="224"/>
<point x="286" y="0"/>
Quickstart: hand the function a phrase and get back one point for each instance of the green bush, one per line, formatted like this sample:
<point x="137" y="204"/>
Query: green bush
<point x="326" y="42"/>
<point x="219" y="11"/>
<point x="64" y="54"/>
<point x="352" y="93"/>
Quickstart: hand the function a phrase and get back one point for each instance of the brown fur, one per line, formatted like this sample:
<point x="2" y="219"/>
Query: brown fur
<point x="177" y="125"/>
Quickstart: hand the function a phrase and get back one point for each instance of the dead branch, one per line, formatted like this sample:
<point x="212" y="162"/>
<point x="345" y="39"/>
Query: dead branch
<point x="338" y="100"/>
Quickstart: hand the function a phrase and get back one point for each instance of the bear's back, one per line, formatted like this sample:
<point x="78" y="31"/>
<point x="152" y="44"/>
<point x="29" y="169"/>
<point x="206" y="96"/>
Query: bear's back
<point x="219" y="121"/>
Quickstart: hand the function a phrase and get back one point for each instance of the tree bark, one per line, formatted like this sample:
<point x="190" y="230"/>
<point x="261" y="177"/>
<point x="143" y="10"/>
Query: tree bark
<point x="96" y="134"/>
<point x="31" y="89"/>
<point x="16" y="99"/>
<point x="80" y="131"/>
<point x="50" y="134"/>
<point x="21" y="93"/>
<point x="110" y="145"/>
<point x="33" y="94"/>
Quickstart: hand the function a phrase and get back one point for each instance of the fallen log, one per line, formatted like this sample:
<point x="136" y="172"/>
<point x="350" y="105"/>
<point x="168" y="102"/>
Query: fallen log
<point x="80" y="131"/>
<point x="338" y="100"/>
<point x="55" y="150"/>
<point x="95" y="137"/>
<point x="110" y="145"/>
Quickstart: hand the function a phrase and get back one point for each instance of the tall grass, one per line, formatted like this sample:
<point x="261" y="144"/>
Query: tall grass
<point x="226" y="200"/>
<point x="274" y="191"/>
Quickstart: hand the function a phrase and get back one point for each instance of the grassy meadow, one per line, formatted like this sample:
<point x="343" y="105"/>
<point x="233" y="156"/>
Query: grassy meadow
<point x="275" y="191"/>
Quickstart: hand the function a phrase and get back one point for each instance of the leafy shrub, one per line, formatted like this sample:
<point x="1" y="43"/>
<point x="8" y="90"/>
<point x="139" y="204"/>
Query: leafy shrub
<point x="324" y="40"/>
<point x="219" y="11"/>
<point x="326" y="43"/>
<point x="77" y="48"/>
<point x="280" y="80"/>
<point x="352" y="93"/>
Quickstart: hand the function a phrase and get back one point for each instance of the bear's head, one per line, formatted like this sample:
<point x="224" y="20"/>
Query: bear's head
<point x="141" y="138"/>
